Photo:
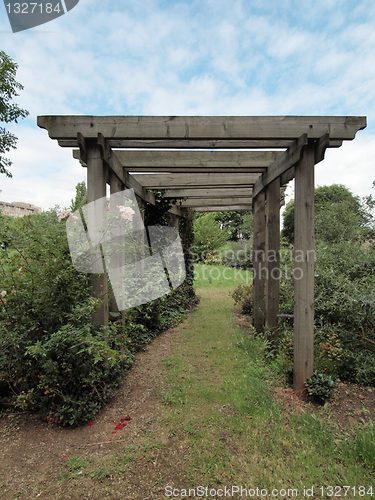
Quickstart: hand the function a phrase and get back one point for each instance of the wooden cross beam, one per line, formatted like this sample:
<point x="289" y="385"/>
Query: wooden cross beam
<point x="269" y="128"/>
<point x="217" y="202"/>
<point x="208" y="192"/>
<point x="164" y="181"/>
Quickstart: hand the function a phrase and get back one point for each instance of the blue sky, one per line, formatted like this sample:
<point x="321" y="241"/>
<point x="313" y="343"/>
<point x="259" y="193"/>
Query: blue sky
<point x="206" y="57"/>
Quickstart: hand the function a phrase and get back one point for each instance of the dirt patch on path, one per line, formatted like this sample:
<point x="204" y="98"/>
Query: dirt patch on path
<point x="348" y="406"/>
<point x="32" y="463"/>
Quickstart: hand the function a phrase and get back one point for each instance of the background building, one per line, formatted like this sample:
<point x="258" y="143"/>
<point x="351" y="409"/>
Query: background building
<point x="18" y="209"/>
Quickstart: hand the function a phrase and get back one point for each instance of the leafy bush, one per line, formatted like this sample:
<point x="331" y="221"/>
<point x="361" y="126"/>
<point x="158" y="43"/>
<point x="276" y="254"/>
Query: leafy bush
<point x="243" y="294"/>
<point x="208" y="236"/>
<point x="237" y="254"/>
<point x="344" y="308"/>
<point x="53" y="359"/>
<point x="212" y="258"/>
<point x="319" y="386"/>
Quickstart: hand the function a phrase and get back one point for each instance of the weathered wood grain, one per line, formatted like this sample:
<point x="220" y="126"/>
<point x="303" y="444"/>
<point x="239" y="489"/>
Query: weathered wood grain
<point x="197" y="159"/>
<point x="96" y="189"/>
<point x="160" y="181"/>
<point x="244" y="208"/>
<point x="208" y="192"/>
<point x="259" y="262"/>
<point x="273" y="261"/>
<point x="202" y="127"/>
<point x="283" y="163"/>
<point x="218" y="202"/>
<point x="304" y="268"/>
<point x="195" y="144"/>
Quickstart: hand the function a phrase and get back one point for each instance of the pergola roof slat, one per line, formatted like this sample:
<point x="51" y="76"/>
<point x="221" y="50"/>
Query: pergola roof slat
<point x="197" y="159"/>
<point x="218" y="202"/>
<point x="208" y="192"/>
<point x="163" y="181"/>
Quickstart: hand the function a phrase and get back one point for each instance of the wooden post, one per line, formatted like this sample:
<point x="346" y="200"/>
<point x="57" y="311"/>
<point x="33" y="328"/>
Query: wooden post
<point x="304" y="268"/>
<point x="96" y="188"/>
<point x="259" y="258"/>
<point x="273" y="261"/>
<point x="174" y="220"/>
<point x="116" y="186"/>
<point x="141" y="206"/>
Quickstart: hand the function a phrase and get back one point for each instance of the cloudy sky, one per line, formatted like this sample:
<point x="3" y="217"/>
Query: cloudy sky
<point x="191" y="57"/>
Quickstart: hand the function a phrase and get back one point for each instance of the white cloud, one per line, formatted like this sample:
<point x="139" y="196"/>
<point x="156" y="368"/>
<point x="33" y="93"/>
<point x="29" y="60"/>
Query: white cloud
<point x="43" y="173"/>
<point x="352" y="165"/>
<point x="219" y="57"/>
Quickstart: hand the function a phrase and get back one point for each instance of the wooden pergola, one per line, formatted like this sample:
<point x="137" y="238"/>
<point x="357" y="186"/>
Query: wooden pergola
<point x="218" y="164"/>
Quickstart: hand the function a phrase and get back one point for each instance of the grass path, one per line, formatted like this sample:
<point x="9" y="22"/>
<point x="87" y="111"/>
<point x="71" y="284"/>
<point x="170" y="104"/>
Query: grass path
<point x="220" y="397"/>
<point x="203" y="414"/>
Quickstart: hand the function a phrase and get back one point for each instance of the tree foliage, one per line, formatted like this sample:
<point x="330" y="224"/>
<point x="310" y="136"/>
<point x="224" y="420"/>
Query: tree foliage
<point x="339" y="215"/>
<point x="231" y="221"/>
<point x="9" y="111"/>
<point x="81" y="197"/>
<point x="208" y="235"/>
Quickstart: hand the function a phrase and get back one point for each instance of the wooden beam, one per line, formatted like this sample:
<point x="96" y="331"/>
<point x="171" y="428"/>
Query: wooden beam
<point x="188" y="144"/>
<point x="287" y="176"/>
<point x="197" y="159"/>
<point x="304" y="268"/>
<point x="176" y="210"/>
<point x="320" y="148"/>
<point x="182" y="169"/>
<point x="283" y="163"/>
<point x="160" y="181"/>
<point x="259" y="262"/>
<point x="227" y="208"/>
<point x="202" y="127"/>
<point x="196" y="144"/>
<point x="201" y="202"/>
<point x="273" y="261"/>
<point x="110" y="158"/>
<point x="139" y="190"/>
<point x="208" y="192"/>
<point x="82" y="148"/>
<point x="199" y="170"/>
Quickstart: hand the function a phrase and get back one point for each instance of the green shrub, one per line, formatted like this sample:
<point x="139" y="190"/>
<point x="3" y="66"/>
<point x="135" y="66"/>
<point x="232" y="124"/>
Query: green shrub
<point x="208" y="236"/>
<point x="319" y="386"/>
<point x="243" y="294"/>
<point x="344" y="305"/>
<point x="53" y="359"/>
<point x="237" y="254"/>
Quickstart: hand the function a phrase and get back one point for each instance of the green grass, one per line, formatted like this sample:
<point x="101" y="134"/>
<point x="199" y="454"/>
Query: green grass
<point x="219" y="403"/>
<point x="220" y="277"/>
